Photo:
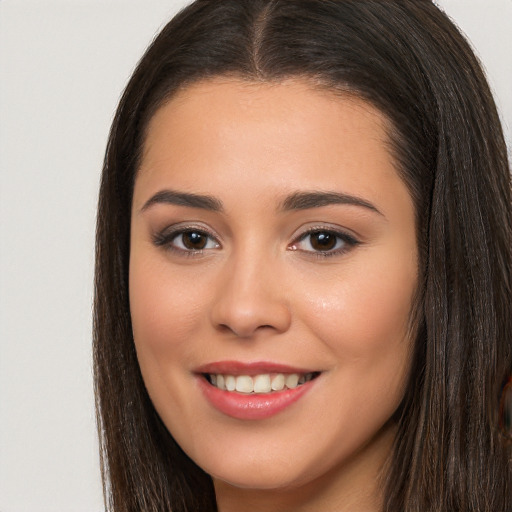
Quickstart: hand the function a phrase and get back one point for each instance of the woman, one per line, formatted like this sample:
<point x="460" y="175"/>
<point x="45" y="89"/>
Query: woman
<point x="303" y="289"/>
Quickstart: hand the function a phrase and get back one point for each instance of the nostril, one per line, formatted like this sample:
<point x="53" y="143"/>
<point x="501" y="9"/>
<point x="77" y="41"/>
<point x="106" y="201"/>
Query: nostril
<point x="244" y="331"/>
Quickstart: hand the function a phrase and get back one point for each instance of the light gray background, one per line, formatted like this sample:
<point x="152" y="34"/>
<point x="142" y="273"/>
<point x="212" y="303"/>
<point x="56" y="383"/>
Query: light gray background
<point x="63" y="65"/>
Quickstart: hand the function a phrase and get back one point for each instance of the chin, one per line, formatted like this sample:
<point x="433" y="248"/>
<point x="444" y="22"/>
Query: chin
<point x="258" y="478"/>
<point x="275" y="472"/>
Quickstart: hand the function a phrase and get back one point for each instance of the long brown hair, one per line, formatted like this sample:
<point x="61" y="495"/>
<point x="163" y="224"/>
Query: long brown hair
<point x="408" y="60"/>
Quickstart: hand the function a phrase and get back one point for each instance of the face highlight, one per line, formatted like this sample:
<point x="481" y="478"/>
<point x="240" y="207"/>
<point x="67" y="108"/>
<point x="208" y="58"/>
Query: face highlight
<point x="273" y="266"/>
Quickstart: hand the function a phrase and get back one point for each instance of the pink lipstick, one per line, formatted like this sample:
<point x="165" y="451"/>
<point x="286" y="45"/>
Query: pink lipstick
<point x="253" y="391"/>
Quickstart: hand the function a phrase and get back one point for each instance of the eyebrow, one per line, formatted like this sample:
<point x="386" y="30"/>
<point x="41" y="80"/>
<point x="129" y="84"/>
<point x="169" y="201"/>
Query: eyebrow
<point x="307" y="200"/>
<point x="296" y="201"/>
<point x="174" y="197"/>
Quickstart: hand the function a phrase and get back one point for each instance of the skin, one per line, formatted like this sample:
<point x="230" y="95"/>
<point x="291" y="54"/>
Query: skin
<point x="261" y="291"/>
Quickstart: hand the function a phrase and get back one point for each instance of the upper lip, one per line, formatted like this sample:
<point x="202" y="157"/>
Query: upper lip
<point x="249" y="368"/>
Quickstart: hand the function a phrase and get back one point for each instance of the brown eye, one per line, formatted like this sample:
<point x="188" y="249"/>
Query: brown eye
<point x="323" y="241"/>
<point x="194" y="240"/>
<point x="188" y="241"/>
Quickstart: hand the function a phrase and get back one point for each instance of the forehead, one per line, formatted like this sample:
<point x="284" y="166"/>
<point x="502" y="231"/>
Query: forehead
<point x="289" y="102"/>
<point x="215" y="133"/>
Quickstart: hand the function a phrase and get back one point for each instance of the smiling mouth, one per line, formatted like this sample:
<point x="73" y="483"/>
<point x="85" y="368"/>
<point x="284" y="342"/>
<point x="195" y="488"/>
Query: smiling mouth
<point x="264" y="383"/>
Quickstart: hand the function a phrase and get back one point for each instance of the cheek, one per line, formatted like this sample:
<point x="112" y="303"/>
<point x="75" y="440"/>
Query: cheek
<point x="364" y="313"/>
<point x="164" y="309"/>
<point x="164" y="312"/>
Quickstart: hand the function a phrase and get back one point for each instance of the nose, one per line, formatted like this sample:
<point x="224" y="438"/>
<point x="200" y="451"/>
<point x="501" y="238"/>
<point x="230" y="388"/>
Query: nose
<point x="251" y="298"/>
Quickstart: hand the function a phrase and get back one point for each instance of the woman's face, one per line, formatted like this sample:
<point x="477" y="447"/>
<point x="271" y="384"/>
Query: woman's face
<point x="272" y="241"/>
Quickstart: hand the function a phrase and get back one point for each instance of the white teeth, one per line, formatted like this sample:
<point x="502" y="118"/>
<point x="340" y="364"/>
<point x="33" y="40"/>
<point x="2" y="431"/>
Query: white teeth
<point x="264" y="383"/>
<point x="244" y="384"/>
<point x="292" y="381"/>
<point x="278" y="382"/>
<point x="230" y="382"/>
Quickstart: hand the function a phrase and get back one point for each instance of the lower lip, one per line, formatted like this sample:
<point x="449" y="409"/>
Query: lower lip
<point x="252" y="406"/>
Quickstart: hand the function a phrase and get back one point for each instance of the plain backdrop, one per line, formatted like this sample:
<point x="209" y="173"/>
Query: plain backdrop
<point x="63" y="65"/>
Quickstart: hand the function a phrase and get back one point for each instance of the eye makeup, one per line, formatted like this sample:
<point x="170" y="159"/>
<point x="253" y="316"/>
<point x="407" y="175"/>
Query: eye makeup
<point x="192" y="240"/>
<point x="186" y="240"/>
<point x="324" y="242"/>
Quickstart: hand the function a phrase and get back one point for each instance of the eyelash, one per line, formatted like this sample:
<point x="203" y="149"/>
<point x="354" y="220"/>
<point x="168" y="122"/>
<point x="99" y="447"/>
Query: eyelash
<point x="166" y="238"/>
<point x="348" y="241"/>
